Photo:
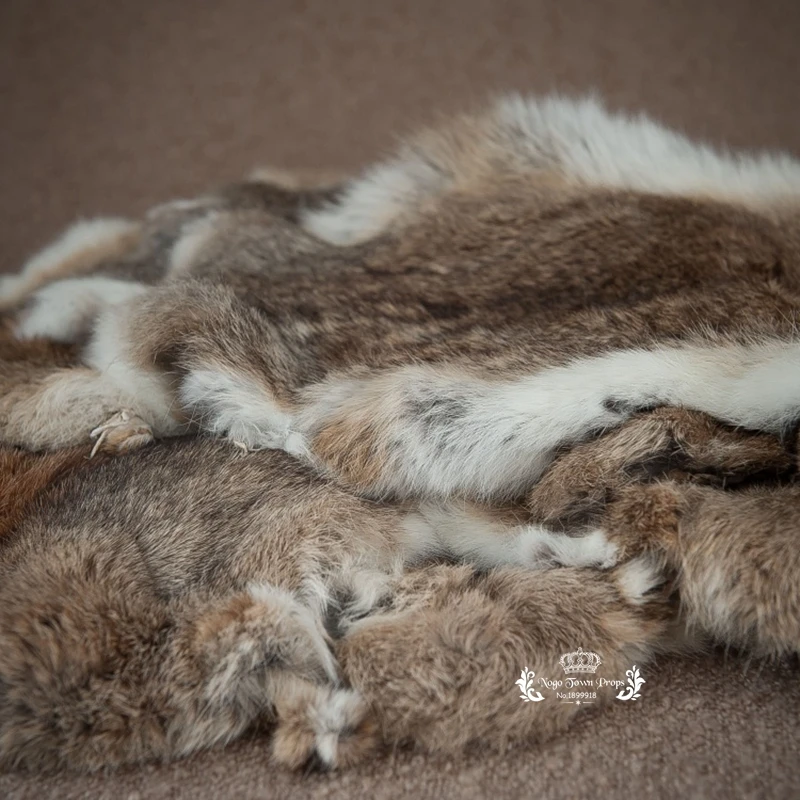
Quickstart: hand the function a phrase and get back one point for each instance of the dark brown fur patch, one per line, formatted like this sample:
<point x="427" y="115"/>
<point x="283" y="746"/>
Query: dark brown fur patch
<point x="24" y="476"/>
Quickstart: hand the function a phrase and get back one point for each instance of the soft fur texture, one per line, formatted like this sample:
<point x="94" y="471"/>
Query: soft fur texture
<point x="524" y="278"/>
<point x="175" y="597"/>
<point x="462" y="325"/>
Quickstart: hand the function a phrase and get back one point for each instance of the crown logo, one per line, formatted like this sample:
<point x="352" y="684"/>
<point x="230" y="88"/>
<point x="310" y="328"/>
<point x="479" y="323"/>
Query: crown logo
<point x="579" y="661"/>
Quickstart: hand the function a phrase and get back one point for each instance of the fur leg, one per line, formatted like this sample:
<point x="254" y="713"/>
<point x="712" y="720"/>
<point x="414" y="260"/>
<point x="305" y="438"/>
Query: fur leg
<point x="486" y="540"/>
<point x="61" y="408"/>
<point x="46" y="402"/>
<point x="123" y="431"/>
<point x="736" y="555"/>
<point x="56" y="409"/>
<point x="668" y="442"/>
<point x="427" y="431"/>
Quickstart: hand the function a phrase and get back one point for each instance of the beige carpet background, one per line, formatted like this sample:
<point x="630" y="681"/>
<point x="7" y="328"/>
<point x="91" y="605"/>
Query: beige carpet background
<point x="109" y="106"/>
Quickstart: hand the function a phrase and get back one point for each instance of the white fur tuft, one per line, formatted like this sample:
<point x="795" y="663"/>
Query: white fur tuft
<point x="96" y="238"/>
<point x="335" y="713"/>
<point x="64" y="310"/>
<point x="638" y="577"/>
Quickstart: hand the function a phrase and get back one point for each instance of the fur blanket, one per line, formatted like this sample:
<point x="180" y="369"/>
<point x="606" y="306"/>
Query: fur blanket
<point x="534" y="381"/>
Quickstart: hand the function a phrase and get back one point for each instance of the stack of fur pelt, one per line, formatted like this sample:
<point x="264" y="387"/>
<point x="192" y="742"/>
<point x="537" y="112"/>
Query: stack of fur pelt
<point x="340" y="460"/>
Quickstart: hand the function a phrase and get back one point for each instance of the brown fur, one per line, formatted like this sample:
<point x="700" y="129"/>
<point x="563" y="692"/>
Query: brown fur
<point x="130" y="634"/>
<point x="149" y="260"/>
<point x="436" y="667"/>
<point x="131" y="630"/>
<point x="500" y="276"/>
<point x="23" y="476"/>
<point x="674" y="442"/>
<point x="643" y="269"/>
<point x="31" y="354"/>
<point x="736" y="554"/>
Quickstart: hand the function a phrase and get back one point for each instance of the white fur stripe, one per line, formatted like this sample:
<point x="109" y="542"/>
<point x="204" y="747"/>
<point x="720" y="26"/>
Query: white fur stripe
<point x="448" y="433"/>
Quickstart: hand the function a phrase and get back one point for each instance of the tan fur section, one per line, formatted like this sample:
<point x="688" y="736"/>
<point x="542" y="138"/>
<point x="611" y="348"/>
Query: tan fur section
<point x="683" y="444"/>
<point x="736" y="555"/>
<point x="439" y="667"/>
<point x="24" y="476"/>
<point x="354" y="453"/>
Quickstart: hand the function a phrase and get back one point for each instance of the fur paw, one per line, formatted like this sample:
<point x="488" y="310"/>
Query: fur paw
<point x="234" y="406"/>
<point x="593" y="549"/>
<point x="257" y="645"/>
<point x="322" y="727"/>
<point x="638" y="579"/>
<point x="123" y="432"/>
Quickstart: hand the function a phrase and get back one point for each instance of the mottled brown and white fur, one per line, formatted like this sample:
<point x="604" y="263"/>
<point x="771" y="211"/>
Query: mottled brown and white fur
<point x="173" y="598"/>
<point x="716" y="508"/>
<point x="509" y="284"/>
